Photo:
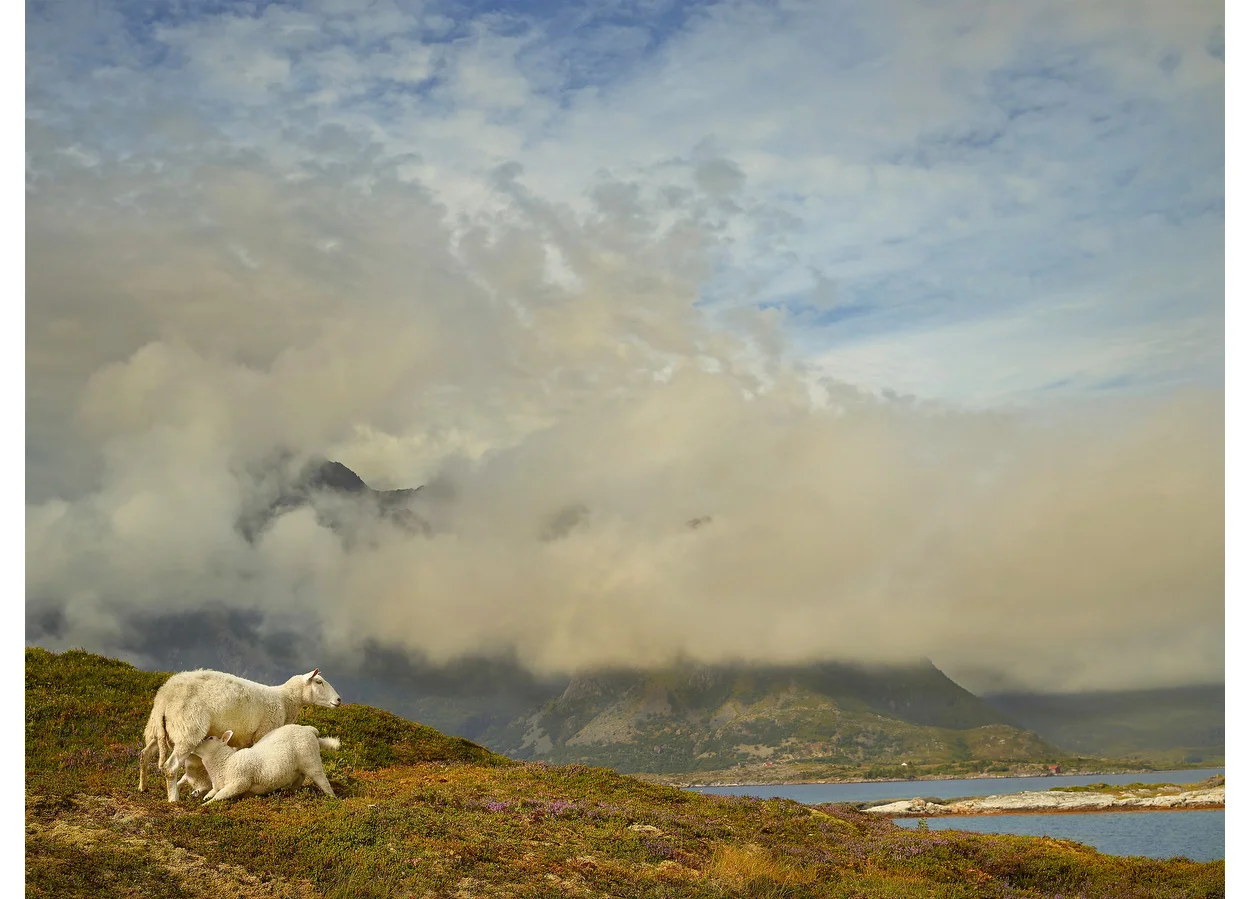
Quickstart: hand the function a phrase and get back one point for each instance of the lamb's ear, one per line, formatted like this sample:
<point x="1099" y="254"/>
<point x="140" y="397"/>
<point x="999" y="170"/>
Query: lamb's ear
<point x="309" y="677"/>
<point x="225" y="738"/>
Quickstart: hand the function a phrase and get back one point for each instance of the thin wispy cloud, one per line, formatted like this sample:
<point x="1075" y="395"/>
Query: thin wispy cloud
<point x="660" y="261"/>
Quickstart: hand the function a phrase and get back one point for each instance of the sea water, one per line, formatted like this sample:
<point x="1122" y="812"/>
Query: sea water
<point x="1194" y="834"/>
<point x="1198" y="835"/>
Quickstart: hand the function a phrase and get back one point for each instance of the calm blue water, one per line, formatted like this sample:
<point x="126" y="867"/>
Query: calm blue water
<point x="1196" y="835"/>
<point x="813" y="794"/>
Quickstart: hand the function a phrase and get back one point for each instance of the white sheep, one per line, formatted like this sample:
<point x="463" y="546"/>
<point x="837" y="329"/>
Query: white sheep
<point x="282" y="758"/>
<point x="191" y="705"/>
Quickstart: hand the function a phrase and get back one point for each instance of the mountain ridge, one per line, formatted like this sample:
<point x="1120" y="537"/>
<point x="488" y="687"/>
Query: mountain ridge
<point x="1183" y="724"/>
<point x="691" y="717"/>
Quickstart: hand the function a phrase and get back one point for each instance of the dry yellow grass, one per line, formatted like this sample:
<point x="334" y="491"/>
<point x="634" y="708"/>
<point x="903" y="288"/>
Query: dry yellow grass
<point x="751" y="862"/>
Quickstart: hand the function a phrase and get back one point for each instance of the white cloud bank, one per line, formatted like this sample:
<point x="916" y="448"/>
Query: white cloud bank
<point x="230" y="257"/>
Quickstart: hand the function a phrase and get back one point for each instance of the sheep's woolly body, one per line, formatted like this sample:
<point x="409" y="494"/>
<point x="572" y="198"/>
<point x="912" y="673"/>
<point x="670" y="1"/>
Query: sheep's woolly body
<point x="282" y="758"/>
<point x="194" y="704"/>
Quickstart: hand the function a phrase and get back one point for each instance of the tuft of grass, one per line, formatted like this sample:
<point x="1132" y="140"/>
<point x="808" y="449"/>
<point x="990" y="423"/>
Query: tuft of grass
<point x="743" y="864"/>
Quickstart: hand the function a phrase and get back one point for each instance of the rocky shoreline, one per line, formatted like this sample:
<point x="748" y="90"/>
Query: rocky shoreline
<point x="1036" y="801"/>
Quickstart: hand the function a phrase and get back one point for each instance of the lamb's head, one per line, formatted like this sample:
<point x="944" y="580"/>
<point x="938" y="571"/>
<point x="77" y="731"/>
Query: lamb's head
<point x="213" y="749"/>
<point x="196" y="776"/>
<point x="317" y="690"/>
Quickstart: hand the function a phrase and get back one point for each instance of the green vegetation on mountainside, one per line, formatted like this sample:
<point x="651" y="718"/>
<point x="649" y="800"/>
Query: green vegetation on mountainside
<point x="423" y="815"/>
<point x="698" y="719"/>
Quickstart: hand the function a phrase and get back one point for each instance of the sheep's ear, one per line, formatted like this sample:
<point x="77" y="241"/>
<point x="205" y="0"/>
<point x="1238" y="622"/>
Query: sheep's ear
<point x="309" y="677"/>
<point x="225" y="738"/>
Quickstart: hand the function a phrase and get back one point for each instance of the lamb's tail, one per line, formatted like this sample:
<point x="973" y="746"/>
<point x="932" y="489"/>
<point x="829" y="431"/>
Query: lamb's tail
<point x="329" y="742"/>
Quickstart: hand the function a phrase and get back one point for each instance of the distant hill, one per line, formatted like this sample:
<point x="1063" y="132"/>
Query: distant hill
<point x="701" y="718"/>
<point x="1176" y="725"/>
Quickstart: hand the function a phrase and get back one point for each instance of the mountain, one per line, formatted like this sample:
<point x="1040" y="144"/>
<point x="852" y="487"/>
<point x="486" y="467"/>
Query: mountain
<point x="341" y="499"/>
<point x="700" y="718"/>
<point x="1173" y="725"/>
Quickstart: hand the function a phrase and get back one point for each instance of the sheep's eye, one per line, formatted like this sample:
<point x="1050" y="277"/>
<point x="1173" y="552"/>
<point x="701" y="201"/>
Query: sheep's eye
<point x="320" y="681"/>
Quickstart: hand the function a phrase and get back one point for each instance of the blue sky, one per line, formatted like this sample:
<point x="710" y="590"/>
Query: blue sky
<point x="922" y="303"/>
<point x="953" y="200"/>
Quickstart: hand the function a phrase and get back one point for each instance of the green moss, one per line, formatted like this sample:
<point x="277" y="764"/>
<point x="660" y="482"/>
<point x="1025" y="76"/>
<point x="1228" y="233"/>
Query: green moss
<point x="63" y="870"/>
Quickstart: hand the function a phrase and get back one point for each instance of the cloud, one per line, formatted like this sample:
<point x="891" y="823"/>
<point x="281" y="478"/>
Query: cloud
<point x="855" y="527"/>
<point x="585" y="311"/>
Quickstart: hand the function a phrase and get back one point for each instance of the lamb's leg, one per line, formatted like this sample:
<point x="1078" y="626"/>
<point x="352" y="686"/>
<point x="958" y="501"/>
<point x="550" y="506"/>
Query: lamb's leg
<point x="196" y="775"/>
<point x="186" y="779"/>
<point x="229" y="791"/>
<point x="319" y="778"/>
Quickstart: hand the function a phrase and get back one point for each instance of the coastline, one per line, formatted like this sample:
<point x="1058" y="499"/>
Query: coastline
<point x="1036" y="802"/>
<point x="1214" y="807"/>
<point x="917" y="779"/>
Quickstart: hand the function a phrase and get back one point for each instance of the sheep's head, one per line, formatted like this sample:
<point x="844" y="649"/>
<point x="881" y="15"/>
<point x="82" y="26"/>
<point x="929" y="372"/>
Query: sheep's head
<point x="317" y="691"/>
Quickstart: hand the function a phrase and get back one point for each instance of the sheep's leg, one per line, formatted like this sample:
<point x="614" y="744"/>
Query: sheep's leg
<point x="171" y="787"/>
<point x="145" y="758"/>
<point x="183" y="745"/>
<point x="176" y="759"/>
<point x="210" y="794"/>
<point x="163" y="747"/>
<point x="319" y="778"/>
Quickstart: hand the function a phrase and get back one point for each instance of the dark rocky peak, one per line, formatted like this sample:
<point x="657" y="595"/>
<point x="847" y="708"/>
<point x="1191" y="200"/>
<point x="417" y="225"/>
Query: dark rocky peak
<point x="328" y="475"/>
<point x="327" y="478"/>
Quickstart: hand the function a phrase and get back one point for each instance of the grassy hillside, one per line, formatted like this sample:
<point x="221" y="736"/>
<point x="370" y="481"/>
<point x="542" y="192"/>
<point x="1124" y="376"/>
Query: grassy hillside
<point x="700" y="719"/>
<point x="1178" y="725"/>
<point x="425" y="815"/>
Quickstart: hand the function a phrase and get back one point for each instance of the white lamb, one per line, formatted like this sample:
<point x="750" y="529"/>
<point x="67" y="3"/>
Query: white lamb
<point x="281" y="758"/>
<point x="192" y="705"/>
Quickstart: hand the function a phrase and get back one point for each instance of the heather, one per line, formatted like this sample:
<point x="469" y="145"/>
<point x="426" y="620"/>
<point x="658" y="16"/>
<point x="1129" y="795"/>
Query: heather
<point x="425" y="815"/>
